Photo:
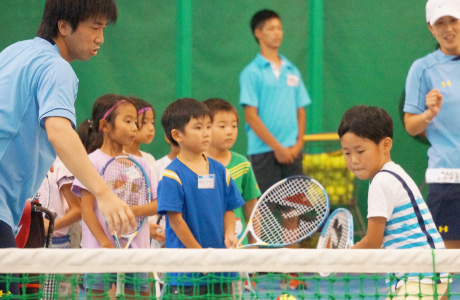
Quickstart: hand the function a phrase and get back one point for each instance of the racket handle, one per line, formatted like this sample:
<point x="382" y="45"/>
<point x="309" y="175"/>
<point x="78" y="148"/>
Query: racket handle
<point x="130" y="240"/>
<point x="159" y="219"/>
<point x="116" y="239"/>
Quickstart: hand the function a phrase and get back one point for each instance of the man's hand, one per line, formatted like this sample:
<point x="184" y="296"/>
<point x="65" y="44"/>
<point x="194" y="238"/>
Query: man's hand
<point x="116" y="212"/>
<point x="283" y="155"/>
<point x="295" y="150"/>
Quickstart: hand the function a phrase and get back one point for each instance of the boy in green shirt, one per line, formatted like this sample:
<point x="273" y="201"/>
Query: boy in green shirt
<point x="224" y="133"/>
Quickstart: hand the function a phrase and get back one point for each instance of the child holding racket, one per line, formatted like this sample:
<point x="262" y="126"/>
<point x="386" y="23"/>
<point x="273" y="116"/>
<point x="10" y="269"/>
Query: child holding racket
<point x="145" y="135"/>
<point x="66" y="206"/>
<point x="114" y="126"/>
<point x="398" y="217"/>
<point x="197" y="195"/>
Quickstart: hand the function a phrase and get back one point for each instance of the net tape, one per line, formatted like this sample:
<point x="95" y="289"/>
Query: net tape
<point x="68" y="261"/>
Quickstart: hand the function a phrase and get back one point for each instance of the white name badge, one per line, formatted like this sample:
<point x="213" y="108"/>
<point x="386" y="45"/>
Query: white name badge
<point x="442" y="175"/>
<point x="206" y="181"/>
<point x="292" y="80"/>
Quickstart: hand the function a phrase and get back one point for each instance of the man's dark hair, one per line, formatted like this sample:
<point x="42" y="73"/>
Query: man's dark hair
<point x="74" y="12"/>
<point x="178" y="114"/>
<point x="369" y="122"/>
<point x="259" y="18"/>
<point x="216" y="105"/>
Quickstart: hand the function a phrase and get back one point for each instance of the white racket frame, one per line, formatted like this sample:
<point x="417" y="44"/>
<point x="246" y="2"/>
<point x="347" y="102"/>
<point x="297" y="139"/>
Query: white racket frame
<point x="250" y="227"/>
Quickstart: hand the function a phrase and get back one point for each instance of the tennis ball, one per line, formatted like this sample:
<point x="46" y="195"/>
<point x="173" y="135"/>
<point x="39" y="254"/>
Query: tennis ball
<point x="286" y="297"/>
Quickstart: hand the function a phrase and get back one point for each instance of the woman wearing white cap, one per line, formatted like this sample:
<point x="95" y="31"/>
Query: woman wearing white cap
<point x="432" y="107"/>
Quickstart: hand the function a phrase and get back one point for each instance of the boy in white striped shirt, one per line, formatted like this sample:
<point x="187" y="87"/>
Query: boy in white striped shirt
<point x="398" y="217"/>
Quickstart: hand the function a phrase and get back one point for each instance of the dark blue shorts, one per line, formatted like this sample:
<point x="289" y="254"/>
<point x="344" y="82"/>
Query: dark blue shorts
<point x="269" y="171"/>
<point x="444" y="204"/>
<point x="7" y="241"/>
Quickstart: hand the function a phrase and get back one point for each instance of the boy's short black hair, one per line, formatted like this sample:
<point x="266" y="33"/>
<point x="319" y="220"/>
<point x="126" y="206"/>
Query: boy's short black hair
<point x="178" y="114"/>
<point x="259" y="18"/>
<point x="216" y="105"/>
<point x="74" y="12"/>
<point x="369" y="122"/>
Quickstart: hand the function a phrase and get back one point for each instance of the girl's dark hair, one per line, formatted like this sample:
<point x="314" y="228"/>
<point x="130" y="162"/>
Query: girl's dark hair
<point x="83" y="131"/>
<point x="142" y="104"/>
<point x="92" y="138"/>
<point x="369" y="122"/>
<point x="216" y="105"/>
<point x="178" y="114"/>
<point x="74" y="12"/>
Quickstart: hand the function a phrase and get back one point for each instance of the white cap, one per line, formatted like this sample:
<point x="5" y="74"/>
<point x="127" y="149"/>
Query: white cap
<point x="436" y="9"/>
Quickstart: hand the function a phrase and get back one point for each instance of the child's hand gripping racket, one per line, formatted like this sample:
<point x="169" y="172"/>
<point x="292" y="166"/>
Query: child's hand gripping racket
<point x="288" y="212"/>
<point x="337" y="233"/>
<point x="128" y="180"/>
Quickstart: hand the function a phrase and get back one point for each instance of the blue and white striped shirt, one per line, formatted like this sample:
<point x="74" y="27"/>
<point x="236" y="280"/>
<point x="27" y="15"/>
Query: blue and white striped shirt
<point x="395" y="196"/>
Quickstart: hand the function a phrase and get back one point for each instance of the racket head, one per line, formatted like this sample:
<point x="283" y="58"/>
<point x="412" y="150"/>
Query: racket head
<point x="128" y="181"/>
<point x="288" y="212"/>
<point x="338" y="231"/>
<point x="43" y="193"/>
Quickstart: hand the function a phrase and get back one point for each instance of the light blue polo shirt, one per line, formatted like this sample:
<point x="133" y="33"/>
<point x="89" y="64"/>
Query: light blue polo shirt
<point x="276" y="99"/>
<point x="441" y="71"/>
<point x="35" y="83"/>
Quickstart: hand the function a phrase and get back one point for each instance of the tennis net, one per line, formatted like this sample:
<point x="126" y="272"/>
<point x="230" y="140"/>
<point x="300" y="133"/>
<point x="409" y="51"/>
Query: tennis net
<point x="284" y="274"/>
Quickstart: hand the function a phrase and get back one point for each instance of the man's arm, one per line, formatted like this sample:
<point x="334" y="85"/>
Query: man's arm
<point x="301" y="120"/>
<point x="180" y="227"/>
<point x="70" y="150"/>
<point x="283" y="155"/>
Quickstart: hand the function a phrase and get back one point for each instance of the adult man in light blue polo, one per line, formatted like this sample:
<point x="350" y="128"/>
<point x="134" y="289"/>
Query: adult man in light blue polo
<point x="38" y="88"/>
<point x="273" y="96"/>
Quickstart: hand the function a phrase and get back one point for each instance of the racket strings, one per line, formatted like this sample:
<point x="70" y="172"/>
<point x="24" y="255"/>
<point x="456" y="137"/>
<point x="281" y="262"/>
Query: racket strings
<point x="290" y="211"/>
<point x="127" y="181"/>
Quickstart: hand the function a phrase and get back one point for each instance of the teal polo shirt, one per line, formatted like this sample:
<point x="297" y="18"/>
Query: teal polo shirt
<point x="440" y="71"/>
<point x="276" y="99"/>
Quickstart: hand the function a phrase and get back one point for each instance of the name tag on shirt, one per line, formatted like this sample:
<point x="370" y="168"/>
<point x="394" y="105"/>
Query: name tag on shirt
<point x="206" y="181"/>
<point x="292" y="80"/>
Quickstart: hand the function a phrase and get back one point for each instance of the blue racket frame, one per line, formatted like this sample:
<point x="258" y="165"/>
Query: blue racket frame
<point x="147" y="183"/>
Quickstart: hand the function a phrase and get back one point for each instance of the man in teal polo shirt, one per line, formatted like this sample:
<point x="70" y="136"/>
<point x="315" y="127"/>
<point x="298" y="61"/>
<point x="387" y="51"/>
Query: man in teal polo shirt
<point x="273" y="96"/>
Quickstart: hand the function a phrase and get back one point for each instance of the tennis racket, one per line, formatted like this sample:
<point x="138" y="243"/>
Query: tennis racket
<point x="159" y="276"/>
<point x="128" y="180"/>
<point x="288" y="212"/>
<point x="337" y="233"/>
